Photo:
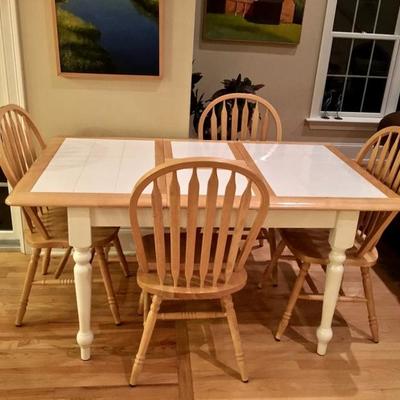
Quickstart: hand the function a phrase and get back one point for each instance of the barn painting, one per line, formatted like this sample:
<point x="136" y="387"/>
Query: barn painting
<point x="261" y="21"/>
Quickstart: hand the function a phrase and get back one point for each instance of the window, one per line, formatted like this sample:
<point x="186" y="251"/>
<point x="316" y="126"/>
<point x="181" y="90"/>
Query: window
<point x="359" y="68"/>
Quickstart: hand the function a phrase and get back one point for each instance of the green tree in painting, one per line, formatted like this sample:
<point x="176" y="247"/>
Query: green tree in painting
<point x="80" y="50"/>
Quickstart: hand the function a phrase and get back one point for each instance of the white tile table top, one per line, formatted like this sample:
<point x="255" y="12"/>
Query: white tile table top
<point x="205" y="149"/>
<point x="97" y="166"/>
<point x="299" y="170"/>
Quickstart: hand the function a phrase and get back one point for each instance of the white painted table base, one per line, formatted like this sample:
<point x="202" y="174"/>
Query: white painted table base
<point x="80" y="220"/>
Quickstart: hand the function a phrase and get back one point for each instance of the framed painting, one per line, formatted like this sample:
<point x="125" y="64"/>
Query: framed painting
<point x="253" y="21"/>
<point x="108" y="38"/>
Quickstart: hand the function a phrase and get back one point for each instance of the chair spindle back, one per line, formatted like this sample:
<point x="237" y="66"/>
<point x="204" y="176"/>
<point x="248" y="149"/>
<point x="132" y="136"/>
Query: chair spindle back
<point x="20" y="144"/>
<point x="179" y="210"/>
<point x="240" y="116"/>
<point x="380" y="156"/>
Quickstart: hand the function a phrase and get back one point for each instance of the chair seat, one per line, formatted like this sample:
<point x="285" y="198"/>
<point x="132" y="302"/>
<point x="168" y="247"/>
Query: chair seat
<point x="312" y="246"/>
<point x="56" y="223"/>
<point x="149" y="282"/>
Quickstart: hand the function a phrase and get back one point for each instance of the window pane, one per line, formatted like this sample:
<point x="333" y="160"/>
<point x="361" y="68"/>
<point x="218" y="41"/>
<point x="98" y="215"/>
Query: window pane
<point x="374" y="95"/>
<point x="366" y="16"/>
<point x="388" y="16"/>
<point x="381" y="58"/>
<point x="360" y="57"/>
<point x="353" y="94"/>
<point x="5" y="213"/>
<point x="340" y="54"/>
<point x="344" y="16"/>
<point x="333" y="90"/>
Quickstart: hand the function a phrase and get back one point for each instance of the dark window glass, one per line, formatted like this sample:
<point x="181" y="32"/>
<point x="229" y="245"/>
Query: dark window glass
<point x="333" y="91"/>
<point x="374" y="95"/>
<point x="344" y="16"/>
<point x="353" y="94"/>
<point x="366" y="16"/>
<point x="5" y="214"/>
<point x="340" y="54"/>
<point x="387" y="18"/>
<point x="381" y="58"/>
<point x="360" y="57"/>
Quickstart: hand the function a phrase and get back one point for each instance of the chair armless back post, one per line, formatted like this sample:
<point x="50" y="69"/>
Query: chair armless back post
<point x="241" y="116"/>
<point x="179" y="211"/>
<point x="20" y="144"/>
<point x="380" y="156"/>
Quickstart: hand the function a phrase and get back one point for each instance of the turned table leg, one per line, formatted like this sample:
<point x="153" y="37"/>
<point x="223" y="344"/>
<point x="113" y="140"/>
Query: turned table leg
<point x="341" y="238"/>
<point x="79" y="230"/>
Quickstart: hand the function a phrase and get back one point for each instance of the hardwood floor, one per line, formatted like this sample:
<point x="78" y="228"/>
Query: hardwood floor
<point x="40" y="360"/>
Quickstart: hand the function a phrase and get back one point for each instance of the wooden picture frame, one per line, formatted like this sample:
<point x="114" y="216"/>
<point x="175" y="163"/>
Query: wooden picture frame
<point x="253" y="21"/>
<point x="85" y="49"/>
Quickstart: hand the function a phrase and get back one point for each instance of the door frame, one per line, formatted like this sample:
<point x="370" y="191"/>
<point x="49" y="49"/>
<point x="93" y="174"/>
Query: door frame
<point x="11" y="89"/>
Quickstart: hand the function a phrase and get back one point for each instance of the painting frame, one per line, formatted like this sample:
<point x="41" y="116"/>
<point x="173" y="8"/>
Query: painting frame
<point x="234" y="40"/>
<point x="110" y="76"/>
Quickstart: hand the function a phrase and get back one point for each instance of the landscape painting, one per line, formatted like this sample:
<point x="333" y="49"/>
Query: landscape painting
<point x="257" y="21"/>
<point x="108" y="37"/>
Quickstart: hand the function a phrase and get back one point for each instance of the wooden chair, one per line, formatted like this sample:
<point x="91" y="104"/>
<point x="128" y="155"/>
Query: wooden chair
<point x="311" y="246"/>
<point x="243" y="116"/>
<point x="191" y="260"/>
<point x="240" y="116"/>
<point x="46" y="228"/>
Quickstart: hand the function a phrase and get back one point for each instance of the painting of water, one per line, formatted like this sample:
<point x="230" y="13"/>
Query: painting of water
<point x="108" y="37"/>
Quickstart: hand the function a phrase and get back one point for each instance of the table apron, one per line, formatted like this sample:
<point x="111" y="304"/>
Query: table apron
<point x="275" y="218"/>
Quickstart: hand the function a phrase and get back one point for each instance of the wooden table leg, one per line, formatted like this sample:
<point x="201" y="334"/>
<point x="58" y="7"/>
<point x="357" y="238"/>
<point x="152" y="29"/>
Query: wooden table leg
<point x="79" y="231"/>
<point x="341" y="238"/>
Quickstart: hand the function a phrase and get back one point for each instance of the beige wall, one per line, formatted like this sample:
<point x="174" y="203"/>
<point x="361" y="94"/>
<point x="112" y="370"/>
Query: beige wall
<point x="108" y="107"/>
<point x="287" y="71"/>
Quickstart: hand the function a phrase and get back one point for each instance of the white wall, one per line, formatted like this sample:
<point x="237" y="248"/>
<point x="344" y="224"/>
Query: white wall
<point x="134" y="107"/>
<point x="287" y="71"/>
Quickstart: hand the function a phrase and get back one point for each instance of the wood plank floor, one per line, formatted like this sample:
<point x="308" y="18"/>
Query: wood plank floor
<point x="195" y="359"/>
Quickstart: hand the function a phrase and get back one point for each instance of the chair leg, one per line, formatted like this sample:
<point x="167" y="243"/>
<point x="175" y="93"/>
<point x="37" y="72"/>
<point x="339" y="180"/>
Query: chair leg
<point x="145" y="306"/>
<point x="121" y="257"/>
<point x="292" y="300"/>
<point x="46" y="261"/>
<point x="63" y="262"/>
<point x="227" y="304"/>
<point x="140" y="305"/>
<point x="93" y="253"/>
<point x="261" y="235"/>
<point x="105" y="273"/>
<point x="144" y="342"/>
<point x="270" y="266"/>
<point x="272" y="246"/>
<point x="30" y="275"/>
<point x="373" y="321"/>
<point x="311" y="284"/>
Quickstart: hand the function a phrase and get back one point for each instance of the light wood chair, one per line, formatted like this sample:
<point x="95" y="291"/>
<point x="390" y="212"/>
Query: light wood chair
<point x="311" y="246"/>
<point x="244" y="116"/>
<point x="46" y="228"/>
<point x="190" y="260"/>
<point x="241" y="116"/>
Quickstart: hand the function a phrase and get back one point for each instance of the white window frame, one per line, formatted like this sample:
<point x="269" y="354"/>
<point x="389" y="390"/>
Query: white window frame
<point x="11" y="91"/>
<point x="392" y="91"/>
